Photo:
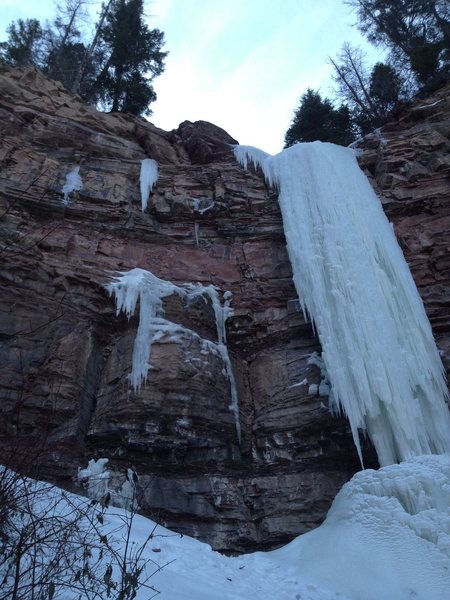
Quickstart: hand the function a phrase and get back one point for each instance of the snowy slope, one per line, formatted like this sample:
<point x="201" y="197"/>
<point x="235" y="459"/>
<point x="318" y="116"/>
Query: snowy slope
<point x="352" y="279"/>
<point x="386" y="537"/>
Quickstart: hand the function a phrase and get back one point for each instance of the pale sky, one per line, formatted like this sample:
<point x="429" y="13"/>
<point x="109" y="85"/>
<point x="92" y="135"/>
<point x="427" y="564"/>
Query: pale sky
<point x="241" y="64"/>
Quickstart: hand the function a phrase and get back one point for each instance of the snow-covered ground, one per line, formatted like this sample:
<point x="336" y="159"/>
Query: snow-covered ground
<point x="386" y="537"/>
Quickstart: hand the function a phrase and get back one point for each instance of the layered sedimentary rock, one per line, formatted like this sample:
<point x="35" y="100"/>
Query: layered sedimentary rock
<point x="66" y="355"/>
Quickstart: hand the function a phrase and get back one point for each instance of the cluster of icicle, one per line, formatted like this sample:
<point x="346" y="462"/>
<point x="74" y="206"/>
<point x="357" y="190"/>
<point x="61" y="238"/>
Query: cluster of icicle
<point x="142" y="285"/>
<point x="353" y="281"/>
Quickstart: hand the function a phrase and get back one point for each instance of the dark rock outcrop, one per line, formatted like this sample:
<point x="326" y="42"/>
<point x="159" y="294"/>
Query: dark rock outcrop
<point x="66" y="356"/>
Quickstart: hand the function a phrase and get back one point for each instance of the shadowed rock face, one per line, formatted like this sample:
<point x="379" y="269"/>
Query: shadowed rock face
<point x="66" y="356"/>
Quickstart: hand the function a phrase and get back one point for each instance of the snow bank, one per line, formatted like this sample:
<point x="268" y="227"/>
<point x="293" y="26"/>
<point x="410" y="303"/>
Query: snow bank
<point x="386" y="536"/>
<point x="353" y="280"/>
<point x="73" y="183"/>
<point x="138" y="284"/>
<point x="148" y="178"/>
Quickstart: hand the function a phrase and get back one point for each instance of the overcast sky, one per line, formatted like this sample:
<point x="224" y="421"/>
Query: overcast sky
<point x="241" y="64"/>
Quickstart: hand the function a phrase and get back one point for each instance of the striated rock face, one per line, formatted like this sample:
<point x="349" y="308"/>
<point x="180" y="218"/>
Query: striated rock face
<point x="66" y="356"/>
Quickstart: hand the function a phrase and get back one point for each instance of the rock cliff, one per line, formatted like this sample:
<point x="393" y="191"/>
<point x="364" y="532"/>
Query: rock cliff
<point x="66" y="355"/>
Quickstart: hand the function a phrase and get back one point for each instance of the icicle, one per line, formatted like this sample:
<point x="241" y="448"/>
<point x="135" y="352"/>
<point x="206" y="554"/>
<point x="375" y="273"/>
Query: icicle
<point x="234" y="406"/>
<point x="196" y="233"/>
<point x="149" y="176"/>
<point x="73" y="183"/>
<point x="353" y="280"/>
<point x="138" y="284"/>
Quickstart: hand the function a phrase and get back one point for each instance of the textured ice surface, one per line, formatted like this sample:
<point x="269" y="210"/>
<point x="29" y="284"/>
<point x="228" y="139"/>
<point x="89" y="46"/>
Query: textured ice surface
<point x="138" y="284"/>
<point x="149" y="176"/>
<point x="352" y="279"/>
<point x="386" y="536"/>
<point x="73" y="183"/>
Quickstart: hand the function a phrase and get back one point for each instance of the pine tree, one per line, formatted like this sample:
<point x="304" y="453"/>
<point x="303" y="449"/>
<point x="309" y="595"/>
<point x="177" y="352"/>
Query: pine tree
<point x="114" y="70"/>
<point x="65" y="47"/>
<point x="370" y="95"/>
<point x="417" y="32"/>
<point x="385" y="87"/>
<point x="134" y="59"/>
<point x="25" y="44"/>
<point x="317" y="119"/>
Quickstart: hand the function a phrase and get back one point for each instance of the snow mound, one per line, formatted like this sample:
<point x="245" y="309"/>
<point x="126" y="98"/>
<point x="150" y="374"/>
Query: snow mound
<point x="386" y="536"/>
<point x="352" y="279"/>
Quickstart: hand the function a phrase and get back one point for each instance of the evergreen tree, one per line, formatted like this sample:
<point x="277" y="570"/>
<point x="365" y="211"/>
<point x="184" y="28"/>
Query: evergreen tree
<point x="317" y="119"/>
<point x="134" y="59"/>
<point x="65" y="47"/>
<point x="385" y="87"/>
<point x="417" y="32"/>
<point x="25" y="44"/>
<point x="370" y="95"/>
<point x="114" y="70"/>
<point x="62" y="63"/>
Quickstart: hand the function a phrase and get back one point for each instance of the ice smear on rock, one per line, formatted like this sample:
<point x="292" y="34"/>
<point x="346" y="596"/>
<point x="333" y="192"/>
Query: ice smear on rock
<point x="352" y="279"/>
<point x="142" y="285"/>
<point x="73" y="183"/>
<point x="149" y="176"/>
<point x="100" y="482"/>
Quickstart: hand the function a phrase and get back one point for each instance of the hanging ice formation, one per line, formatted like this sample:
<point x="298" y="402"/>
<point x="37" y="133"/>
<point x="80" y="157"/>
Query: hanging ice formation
<point x="138" y="284"/>
<point x="99" y="481"/>
<point x="352" y="279"/>
<point x="73" y="183"/>
<point x="148" y="178"/>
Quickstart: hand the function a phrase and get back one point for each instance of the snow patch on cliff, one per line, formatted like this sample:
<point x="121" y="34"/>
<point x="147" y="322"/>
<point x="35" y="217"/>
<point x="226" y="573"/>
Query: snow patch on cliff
<point x="107" y="486"/>
<point x="73" y="183"/>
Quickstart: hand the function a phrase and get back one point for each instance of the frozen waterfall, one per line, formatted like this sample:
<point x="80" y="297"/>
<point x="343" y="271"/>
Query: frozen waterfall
<point x="353" y="281"/>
